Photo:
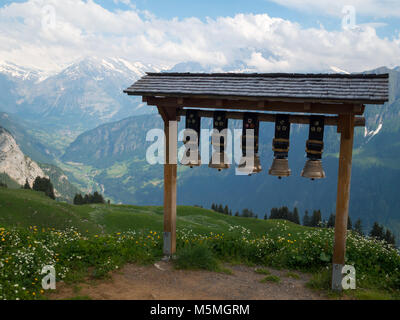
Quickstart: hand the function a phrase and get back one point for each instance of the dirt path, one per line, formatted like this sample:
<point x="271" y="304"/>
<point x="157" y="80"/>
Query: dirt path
<point x="162" y="282"/>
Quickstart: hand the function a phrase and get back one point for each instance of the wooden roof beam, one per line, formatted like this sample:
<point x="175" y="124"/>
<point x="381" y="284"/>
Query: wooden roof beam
<point x="262" y="105"/>
<point x="269" y="117"/>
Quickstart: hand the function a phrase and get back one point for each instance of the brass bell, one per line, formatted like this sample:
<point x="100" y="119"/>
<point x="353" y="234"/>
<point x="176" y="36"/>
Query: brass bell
<point x="219" y="160"/>
<point x="280" y="168"/>
<point x="313" y="170"/>
<point x="245" y="161"/>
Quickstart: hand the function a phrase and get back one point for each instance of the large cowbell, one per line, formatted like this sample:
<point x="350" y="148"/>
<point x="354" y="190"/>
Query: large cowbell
<point x="280" y="146"/>
<point x="314" y="148"/>
<point x="250" y="160"/>
<point x="191" y="141"/>
<point x="219" y="159"/>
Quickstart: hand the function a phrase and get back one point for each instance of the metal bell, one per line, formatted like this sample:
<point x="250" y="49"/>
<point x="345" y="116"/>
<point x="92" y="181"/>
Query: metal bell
<point x="244" y="161"/>
<point x="186" y="160"/>
<point x="280" y="168"/>
<point x="219" y="160"/>
<point x="192" y="162"/>
<point x="313" y="170"/>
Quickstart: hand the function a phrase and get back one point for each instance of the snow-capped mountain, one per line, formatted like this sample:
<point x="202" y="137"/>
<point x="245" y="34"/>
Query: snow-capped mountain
<point x="84" y="94"/>
<point x="19" y="73"/>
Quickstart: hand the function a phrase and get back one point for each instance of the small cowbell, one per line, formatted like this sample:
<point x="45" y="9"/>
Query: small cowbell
<point x="187" y="160"/>
<point x="280" y="168"/>
<point x="244" y="164"/>
<point x="313" y="170"/>
<point x="192" y="162"/>
<point x="219" y="160"/>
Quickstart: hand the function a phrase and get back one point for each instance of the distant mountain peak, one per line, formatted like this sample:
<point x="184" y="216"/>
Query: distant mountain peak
<point x="18" y="72"/>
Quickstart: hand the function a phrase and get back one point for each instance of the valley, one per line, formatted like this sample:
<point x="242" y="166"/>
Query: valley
<point x="100" y="145"/>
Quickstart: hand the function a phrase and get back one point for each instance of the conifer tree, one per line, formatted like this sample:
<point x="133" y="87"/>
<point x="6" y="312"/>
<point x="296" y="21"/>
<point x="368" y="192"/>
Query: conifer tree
<point x="389" y="237"/>
<point x="295" y="216"/>
<point x="306" y="219"/>
<point x="226" y="210"/>
<point x="377" y="231"/>
<point x="316" y="218"/>
<point x="331" y="221"/>
<point x="349" y="224"/>
<point x="26" y="185"/>
<point x="358" y="227"/>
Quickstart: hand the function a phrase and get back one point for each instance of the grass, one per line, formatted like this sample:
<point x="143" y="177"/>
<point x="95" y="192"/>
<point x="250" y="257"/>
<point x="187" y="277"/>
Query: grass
<point x="198" y="257"/>
<point x="292" y="275"/>
<point x="271" y="278"/>
<point x="24" y="208"/>
<point x="262" y="271"/>
<point x="96" y="239"/>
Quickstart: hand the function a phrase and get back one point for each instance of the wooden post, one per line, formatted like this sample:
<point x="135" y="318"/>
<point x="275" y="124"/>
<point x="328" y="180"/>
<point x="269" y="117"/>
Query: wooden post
<point x="170" y="173"/>
<point x="346" y="128"/>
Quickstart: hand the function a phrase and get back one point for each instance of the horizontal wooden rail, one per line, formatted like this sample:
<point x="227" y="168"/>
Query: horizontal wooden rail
<point x="270" y="117"/>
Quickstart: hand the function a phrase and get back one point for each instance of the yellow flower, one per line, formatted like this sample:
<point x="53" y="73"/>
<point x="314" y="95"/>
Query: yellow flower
<point x="3" y="239"/>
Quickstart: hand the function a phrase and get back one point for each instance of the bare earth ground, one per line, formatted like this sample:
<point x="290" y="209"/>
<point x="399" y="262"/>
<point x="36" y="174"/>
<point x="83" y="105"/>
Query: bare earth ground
<point x="162" y="282"/>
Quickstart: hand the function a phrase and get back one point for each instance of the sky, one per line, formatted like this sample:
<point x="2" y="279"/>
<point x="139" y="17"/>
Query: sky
<point x="266" y="36"/>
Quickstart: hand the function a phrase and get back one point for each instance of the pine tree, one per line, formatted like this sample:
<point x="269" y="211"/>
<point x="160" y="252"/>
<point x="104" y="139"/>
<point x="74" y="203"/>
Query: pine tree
<point x="331" y="221"/>
<point x="316" y="218"/>
<point x="349" y="224"/>
<point x="285" y="213"/>
<point x="237" y="214"/>
<point x="44" y="185"/>
<point x="26" y="185"/>
<point x="226" y="210"/>
<point x="274" y="213"/>
<point x="295" y="215"/>
<point x="306" y="219"/>
<point x="265" y="216"/>
<point x="78" y="199"/>
<point x="389" y="237"/>
<point x="97" y="198"/>
<point x="377" y="231"/>
<point x="358" y="227"/>
<point x="213" y="206"/>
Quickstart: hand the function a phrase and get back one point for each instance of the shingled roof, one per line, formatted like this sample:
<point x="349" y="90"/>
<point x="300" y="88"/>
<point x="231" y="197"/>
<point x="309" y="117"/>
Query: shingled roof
<point x="354" y="88"/>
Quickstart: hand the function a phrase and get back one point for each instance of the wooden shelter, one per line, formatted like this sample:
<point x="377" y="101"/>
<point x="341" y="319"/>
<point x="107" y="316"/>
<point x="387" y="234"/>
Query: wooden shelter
<point x="341" y="98"/>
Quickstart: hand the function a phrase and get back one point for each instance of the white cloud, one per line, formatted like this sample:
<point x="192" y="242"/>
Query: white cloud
<point x="267" y="44"/>
<point x="371" y="8"/>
